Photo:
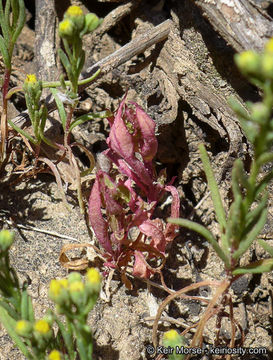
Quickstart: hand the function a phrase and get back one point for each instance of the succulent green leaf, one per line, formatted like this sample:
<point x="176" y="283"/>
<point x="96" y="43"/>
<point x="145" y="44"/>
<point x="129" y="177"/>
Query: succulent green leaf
<point x="214" y="190"/>
<point x="266" y="247"/>
<point x="87" y="117"/>
<point x="21" y="21"/>
<point x="22" y="132"/>
<point x="60" y="107"/>
<point x="252" y="235"/>
<point x="65" y="61"/>
<point x="257" y="267"/>
<point x="5" y="53"/>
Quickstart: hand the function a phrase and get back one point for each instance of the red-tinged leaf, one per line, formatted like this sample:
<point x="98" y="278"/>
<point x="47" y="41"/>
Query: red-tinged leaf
<point x="154" y="229"/>
<point x="172" y="229"/>
<point x="97" y="221"/>
<point x="131" y="169"/>
<point x="148" y="140"/>
<point x="140" y="269"/>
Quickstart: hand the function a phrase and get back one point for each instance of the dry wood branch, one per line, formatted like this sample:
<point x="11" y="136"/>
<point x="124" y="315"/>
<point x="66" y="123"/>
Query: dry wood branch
<point x="114" y="17"/>
<point x="239" y="22"/>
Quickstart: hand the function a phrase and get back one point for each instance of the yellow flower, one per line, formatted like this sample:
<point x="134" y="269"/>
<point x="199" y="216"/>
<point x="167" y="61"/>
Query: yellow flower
<point x="76" y="286"/>
<point x="93" y="276"/>
<point x="75" y="14"/>
<point x="171" y="335"/>
<point x="66" y="28"/>
<point x="31" y="79"/>
<point x="93" y="281"/>
<point x="6" y="239"/>
<point x="58" y="291"/>
<point x="42" y="327"/>
<point x="23" y="327"/>
<point x="249" y="62"/>
<point x="54" y="355"/>
<point x="74" y="11"/>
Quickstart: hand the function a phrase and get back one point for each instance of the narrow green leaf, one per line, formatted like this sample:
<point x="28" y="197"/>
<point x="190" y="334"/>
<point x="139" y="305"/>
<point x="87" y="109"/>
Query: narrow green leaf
<point x="263" y="183"/>
<point x="10" y="310"/>
<point x="67" y="338"/>
<point x="21" y="21"/>
<point x="205" y="233"/>
<point x="266" y="247"/>
<point x="22" y="132"/>
<point x="24" y="303"/>
<point x="9" y="325"/>
<point x="239" y="176"/>
<point x="257" y="267"/>
<point x="60" y="107"/>
<point x="87" y="117"/>
<point x="31" y="315"/>
<point x="238" y="108"/>
<point x="253" y="216"/>
<point x="5" y="53"/>
<point x="65" y="61"/>
<point x="234" y="225"/>
<point x="15" y="13"/>
<point x="264" y="158"/>
<point x="248" y="240"/>
<point x="4" y="23"/>
<point x="215" y="195"/>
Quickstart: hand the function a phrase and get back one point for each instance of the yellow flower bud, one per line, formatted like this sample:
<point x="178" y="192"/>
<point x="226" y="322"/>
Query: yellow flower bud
<point x="6" y="239"/>
<point x="91" y="22"/>
<point x="31" y="79"/>
<point x="248" y="62"/>
<point x="58" y="291"/>
<point x="76" y="286"/>
<point x="66" y="28"/>
<point x="93" y="280"/>
<point x="171" y="335"/>
<point x="54" y="355"/>
<point x="77" y="293"/>
<point x="260" y="113"/>
<point x="173" y="339"/>
<point x="23" y="328"/>
<point x="75" y="15"/>
<point x="74" y="11"/>
<point x="42" y="327"/>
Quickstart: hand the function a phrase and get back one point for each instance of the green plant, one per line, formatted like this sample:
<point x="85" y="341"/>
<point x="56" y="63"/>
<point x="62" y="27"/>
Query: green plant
<point x="247" y="214"/>
<point x="36" y="338"/>
<point x="12" y="20"/>
<point x="71" y="30"/>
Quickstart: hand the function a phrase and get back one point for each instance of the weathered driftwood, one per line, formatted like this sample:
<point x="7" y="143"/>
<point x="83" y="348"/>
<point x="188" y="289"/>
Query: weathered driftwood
<point x="45" y="40"/>
<point x="244" y="24"/>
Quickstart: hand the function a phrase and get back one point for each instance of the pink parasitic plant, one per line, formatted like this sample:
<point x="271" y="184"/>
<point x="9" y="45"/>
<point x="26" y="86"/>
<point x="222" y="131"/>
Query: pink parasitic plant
<point x="124" y="198"/>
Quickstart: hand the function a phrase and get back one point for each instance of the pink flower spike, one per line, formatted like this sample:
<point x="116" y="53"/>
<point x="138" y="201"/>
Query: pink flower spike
<point x="120" y="140"/>
<point x="147" y="129"/>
